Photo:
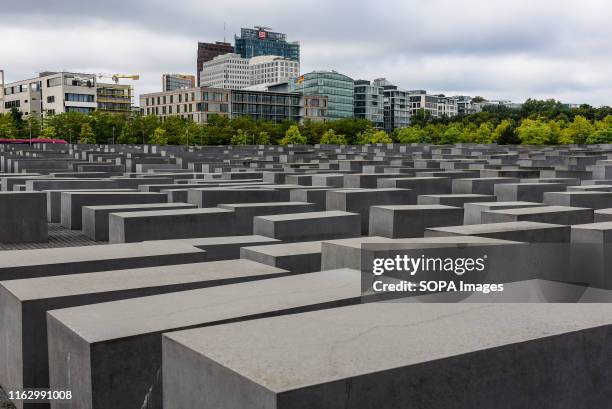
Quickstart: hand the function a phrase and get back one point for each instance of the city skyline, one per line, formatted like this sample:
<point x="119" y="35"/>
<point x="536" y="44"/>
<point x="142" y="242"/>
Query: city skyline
<point x="495" y="50"/>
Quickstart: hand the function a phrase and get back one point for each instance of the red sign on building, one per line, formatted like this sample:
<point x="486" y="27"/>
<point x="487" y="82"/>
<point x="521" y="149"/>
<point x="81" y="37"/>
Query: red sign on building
<point x="262" y="34"/>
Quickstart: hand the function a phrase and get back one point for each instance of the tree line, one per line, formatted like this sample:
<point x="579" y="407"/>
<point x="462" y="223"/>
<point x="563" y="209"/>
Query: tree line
<point x="537" y="122"/>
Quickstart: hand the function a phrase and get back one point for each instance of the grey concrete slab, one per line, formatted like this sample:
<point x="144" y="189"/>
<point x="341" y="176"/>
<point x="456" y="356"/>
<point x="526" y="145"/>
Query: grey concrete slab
<point x="23" y="217"/>
<point x="211" y="197"/>
<point x="481" y="186"/>
<point x="419" y="185"/>
<point x="316" y="196"/>
<point x="72" y="203"/>
<point x="17" y="264"/>
<point x="299" y="258"/>
<point x="543" y="214"/>
<point x="368" y="356"/>
<point x="331" y="224"/>
<point x="245" y="212"/>
<point x="128" y="227"/>
<point x="473" y="211"/>
<point x="115" y="361"/>
<point x="592" y="253"/>
<point x="591" y="199"/>
<point x="528" y="192"/>
<point x="95" y="219"/>
<point x="227" y="247"/>
<point x="360" y="201"/>
<point x="524" y="231"/>
<point x="457" y="200"/>
<point x="54" y="201"/>
<point x="411" y="220"/>
<point x="23" y="348"/>
<point x="602" y="215"/>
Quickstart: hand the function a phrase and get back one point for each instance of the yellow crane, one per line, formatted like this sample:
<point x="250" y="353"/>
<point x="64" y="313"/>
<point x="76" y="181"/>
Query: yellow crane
<point x="116" y="77"/>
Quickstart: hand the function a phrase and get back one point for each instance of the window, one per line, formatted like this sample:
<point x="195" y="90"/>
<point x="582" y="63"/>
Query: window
<point x="79" y="97"/>
<point x="51" y="99"/>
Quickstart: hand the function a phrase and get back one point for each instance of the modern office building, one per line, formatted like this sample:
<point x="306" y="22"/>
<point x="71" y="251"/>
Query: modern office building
<point x="228" y="71"/>
<point x="114" y="98"/>
<point x="369" y="103"/>
<point x="195" y="104"/>
<point x="198" y="104"/>
<point x="338" y="88"/>
<point x="270" y="69"/>
<point x="208" y="51"/>
<point x="171" y="82"/>
<point x="52" y="93"/>
<point x="254" y="42"/>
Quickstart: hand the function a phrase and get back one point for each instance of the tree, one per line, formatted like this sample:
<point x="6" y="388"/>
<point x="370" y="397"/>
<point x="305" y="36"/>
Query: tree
<point x="7" y="126"/>
<point x="411" y="134"/>
<point x="504" y="133"/>
<point x="452" y="135"/>
<point x="48" y="133"/>
<point x="577" y="132"/>
<point x="603" y="135"/>
<point x="87" y="135"/>
<point x="293" y="137"/>
<point x="263" y="138"/>
<point x="534" y="132"/>
<point x="242" y="137"/>
<point x="421" y="117"/>
<point x="68" y="124"/>
<point x="371" y="136"/>
<point x="159" y="137"/>
<point x="330" y="137"/>
<point x="33" y="125"/>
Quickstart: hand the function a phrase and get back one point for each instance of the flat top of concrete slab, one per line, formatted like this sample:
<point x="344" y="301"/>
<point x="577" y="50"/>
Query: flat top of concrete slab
<point x="540" y="209"/>
<point x="109" y="193"/>
<point x="138" y="206"/>
<point x="288" y="249"/>
<point x="292" y="352"/>
<point x="459" y="195"/>
<point x="263" y="204"/>
<point x="164" y="312"/>
<point x="37" y="257"/>
<point x="369" y="190"/>
<point x="505" y="204"/>
<point x="308" y="215"/>
<point x="525" y="184"/>
<point x="580" y="193"/>
<point x="174" y="212"/>
<point x="116" y="280"/>
<point x="409" y="208"/>
<point x="212" y="241"/>
<point x="602" y="226"/>
<point x="418" y="242"/>
<point x="604" y="211"/>
<point x="496" y="227"/>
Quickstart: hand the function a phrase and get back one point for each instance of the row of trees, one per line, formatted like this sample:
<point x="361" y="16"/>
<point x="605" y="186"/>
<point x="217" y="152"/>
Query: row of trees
<point x="537" y="123"/>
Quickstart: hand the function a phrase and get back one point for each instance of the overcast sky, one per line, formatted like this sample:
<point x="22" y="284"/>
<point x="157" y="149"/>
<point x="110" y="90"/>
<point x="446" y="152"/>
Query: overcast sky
<point x="511" y="49"/>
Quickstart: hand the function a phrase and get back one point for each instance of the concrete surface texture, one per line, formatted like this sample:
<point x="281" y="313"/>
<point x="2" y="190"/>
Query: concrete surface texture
<point x="249" y="260"/>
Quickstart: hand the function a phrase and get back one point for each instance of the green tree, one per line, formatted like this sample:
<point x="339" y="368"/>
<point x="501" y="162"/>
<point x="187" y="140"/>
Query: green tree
<point x="330" y="137"/>
<point x="372" y="136"/>
<point x="452" y="134"/>
<point x="421" y="117"/>
<point x="504" y="133"/>
<point x="48" y="133"/>
<point x="293" y="137"/>
<point x="159" y="137"/>
<point x="242" y="137"/>
<point x="263" y="138"/>
<point x="411" y="134"/>
<point x="577" y="132"/>
<point x="603" y="135"/>
<point x="68" y="124"/>
<point x="87" y="135"/>
<point x="33" y="124"/>
<point x="7" y="126"/>
<point x="534" y="132"/>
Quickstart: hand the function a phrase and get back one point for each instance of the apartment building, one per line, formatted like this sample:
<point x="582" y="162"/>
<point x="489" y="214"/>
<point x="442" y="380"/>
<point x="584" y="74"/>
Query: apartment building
<point x="369" y="103"/>
<point x="396" y="105"/>
<point x="114" y="98"/>
<point x="52" y="93"/>
<point x="437" y="105"/>
<point x="194" y="104"/>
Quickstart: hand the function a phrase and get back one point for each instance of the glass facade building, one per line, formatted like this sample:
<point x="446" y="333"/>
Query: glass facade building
<point x="338" y="88"/>
<point x="271" y="106"/>
<point x="254" y="42"/>
<point x="369" y="103"/>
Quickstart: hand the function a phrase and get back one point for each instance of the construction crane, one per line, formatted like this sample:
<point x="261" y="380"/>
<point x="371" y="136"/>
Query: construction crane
<point x="116" y="77"/>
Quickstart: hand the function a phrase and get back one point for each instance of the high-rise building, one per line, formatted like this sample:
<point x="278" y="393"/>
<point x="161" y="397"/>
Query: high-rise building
<point x="369" y="103"/>
<point x="208" y="51"/>
<point x="396" y="107"/>
<point x="52" y="93"/>
<point x="114" y="98"/>
<point x="270" y="69"/>
<point x="226" y="71"/>
<point x="338" y="88"/>
<point x="257" y="41"/>
<point x="171" y="82"/>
